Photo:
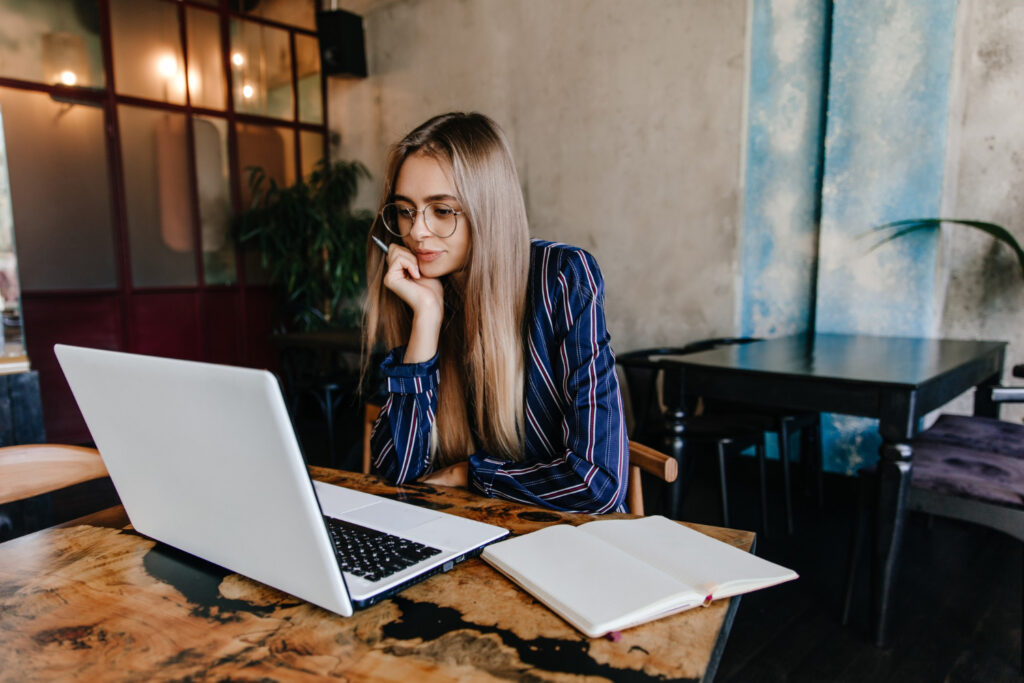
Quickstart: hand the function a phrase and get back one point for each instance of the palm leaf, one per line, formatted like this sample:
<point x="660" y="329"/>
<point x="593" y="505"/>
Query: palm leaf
<point x="910" y="225"/>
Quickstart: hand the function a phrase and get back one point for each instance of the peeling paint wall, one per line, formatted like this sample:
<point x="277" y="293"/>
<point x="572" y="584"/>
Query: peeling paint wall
<point x="626" y="121"/>
<point x="985" y="169"/>
<point x="785" y="125"/>
<point x="884" y="158"/>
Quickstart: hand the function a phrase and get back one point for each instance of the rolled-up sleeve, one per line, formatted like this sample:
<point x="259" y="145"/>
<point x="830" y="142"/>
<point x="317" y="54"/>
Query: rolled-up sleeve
<point x="400" y="443"/>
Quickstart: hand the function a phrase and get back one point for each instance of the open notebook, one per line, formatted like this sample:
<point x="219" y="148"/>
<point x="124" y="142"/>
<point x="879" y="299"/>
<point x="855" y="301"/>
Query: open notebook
<point x="609" y="575"/>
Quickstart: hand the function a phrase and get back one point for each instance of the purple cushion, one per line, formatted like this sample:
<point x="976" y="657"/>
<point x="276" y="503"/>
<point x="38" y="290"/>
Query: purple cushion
<point x="968" y="473"/>
<point x="980" y="433"/>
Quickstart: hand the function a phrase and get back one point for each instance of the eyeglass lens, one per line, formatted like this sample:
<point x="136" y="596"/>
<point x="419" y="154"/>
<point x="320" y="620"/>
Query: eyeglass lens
<point x="441" y="219"/>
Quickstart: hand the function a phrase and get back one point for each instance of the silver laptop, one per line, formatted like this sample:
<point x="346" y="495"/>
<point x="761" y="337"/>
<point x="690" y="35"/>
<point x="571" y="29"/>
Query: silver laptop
<point x="204" y="458"/>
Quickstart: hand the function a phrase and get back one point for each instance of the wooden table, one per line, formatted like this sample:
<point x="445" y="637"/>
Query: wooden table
<point x="894" y="379"/>
<point x="93" y="600"/>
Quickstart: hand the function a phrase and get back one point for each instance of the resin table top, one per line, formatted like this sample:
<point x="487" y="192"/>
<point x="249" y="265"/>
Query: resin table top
<point x="93" y="599"/>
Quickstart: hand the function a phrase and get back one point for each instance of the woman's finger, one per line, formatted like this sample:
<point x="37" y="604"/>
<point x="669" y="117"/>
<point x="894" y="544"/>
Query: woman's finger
<point x="400" y="257"/>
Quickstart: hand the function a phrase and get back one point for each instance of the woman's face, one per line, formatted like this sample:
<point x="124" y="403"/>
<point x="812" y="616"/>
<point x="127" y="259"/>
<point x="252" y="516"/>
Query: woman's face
<point x="422" y="179"/>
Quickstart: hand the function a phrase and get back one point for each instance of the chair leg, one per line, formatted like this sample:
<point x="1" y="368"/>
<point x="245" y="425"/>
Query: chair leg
<point x="764" y="488"/>
<point x="819" y="462"/>
<point x="784" y="456"/>
<point x="721" y="482"/>
<point x="856" y="547"/>
<point x="329" y="414"/>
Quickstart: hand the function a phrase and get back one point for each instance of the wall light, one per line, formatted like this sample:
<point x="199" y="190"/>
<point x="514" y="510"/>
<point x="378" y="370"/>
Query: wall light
<point x="167" y="66"/>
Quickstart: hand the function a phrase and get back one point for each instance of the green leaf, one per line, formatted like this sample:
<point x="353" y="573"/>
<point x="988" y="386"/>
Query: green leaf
<point x="912" y="225"/>
<point x="309" y="239"/>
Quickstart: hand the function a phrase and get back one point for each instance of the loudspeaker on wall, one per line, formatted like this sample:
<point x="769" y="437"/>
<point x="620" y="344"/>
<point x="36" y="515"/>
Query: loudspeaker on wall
<point x="342" y="45"/>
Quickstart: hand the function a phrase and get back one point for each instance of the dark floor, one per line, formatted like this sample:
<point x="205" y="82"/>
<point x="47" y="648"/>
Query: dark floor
<point x="956" y="611"/>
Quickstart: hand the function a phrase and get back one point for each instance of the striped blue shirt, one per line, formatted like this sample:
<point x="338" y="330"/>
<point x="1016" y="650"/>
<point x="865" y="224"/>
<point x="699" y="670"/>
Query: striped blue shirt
<point x="576" y="449"/>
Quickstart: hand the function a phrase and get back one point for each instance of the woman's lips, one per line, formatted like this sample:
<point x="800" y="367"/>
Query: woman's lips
<point x="427" y="256"/>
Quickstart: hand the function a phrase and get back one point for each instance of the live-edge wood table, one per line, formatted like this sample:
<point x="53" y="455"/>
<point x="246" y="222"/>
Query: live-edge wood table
<point x="94" y="600"/>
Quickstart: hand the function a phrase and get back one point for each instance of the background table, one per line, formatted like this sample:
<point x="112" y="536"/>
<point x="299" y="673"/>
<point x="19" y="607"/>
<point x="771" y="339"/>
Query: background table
<point x="97" y="601"/>
<point x="894" y="379"/>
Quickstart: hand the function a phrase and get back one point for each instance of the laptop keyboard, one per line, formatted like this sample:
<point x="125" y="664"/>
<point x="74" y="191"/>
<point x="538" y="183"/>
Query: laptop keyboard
<point x="374" y="554"/>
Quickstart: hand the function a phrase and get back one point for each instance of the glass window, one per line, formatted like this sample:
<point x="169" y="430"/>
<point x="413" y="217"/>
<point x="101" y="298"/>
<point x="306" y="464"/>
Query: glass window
<point x="214" y="191"/>
<point x="307" y="70"/>
<point x="261" y="70"/>
<point x="60" y="192"/>
<point x="155" y="158"/>
<point x="272" y="149"/>
<point x="301" y="13"/>
<point x="51" y="42"/>
<point x="312" y="147"/>
<point x="206" y="85"/>
<point x="147" y="50"/>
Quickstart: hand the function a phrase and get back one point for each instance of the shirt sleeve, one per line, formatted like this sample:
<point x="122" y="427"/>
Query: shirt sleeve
<point x="590" y="472"/>
<point x="400" y="442"/>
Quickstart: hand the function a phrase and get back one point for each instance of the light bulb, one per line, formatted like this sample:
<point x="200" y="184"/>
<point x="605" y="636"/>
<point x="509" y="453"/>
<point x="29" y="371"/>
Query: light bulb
<point x="247" y="91"/>
<point x="68" y="77"/>
<point x="167" y="66"/>
<point x="237" y="59"/>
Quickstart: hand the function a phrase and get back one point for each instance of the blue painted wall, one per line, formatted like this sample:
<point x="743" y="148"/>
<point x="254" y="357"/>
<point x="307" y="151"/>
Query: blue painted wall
<point x="785" y="125"/>
<point x="889" y="67"/>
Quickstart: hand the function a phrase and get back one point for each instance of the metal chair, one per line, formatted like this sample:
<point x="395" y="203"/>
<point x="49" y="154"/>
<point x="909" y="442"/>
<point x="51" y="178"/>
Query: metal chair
<point x="653" y="389"/>
<point x="967" y="468"/>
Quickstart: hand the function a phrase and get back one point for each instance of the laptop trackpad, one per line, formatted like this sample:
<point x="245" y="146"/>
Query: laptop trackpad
<point x="393" y="517"/>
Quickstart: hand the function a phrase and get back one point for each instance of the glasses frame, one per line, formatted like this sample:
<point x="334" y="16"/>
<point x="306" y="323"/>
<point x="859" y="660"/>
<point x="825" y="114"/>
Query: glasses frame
<point x="417" y="212"/>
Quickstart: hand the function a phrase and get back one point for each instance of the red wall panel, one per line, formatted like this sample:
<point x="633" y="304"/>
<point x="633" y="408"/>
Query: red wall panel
<point x="165" y="324"/>
<point x="82" y="320"/>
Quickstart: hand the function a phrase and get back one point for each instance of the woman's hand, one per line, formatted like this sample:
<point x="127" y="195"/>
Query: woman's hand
<point x="424" y="295"/>
<point x="403" y="277"/>
<point x="453" y="475"/>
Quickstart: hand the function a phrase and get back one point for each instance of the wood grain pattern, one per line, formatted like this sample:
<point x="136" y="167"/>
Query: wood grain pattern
<point x="96" y="602"/>
<point x="31" y="470"/>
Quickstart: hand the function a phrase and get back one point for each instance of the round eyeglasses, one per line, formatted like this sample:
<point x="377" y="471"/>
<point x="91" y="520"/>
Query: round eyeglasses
<point x="440" y="219"/>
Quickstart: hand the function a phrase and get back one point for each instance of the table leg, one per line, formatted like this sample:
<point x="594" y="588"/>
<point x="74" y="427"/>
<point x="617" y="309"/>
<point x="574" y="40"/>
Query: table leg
<point x="894" y="471"/>
<point x="984" y="406"/>
<point x="676" y="446"/>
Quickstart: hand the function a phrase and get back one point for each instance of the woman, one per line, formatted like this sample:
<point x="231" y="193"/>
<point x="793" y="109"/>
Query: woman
<point x="500" y="376"/>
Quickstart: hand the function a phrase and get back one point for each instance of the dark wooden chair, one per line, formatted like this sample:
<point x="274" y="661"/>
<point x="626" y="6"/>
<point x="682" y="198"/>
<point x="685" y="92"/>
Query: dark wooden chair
<point x="967" y="468"/>
<point x="653" y="391"/>
<point x="641" y="459"/>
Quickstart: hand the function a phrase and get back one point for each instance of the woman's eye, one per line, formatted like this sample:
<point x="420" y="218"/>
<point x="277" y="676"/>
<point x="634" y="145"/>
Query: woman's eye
<point x="406" y="212"/>
<point x="443" y="212"/>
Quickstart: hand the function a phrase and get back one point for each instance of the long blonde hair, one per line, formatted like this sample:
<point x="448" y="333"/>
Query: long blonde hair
<point x="481" y="354"/>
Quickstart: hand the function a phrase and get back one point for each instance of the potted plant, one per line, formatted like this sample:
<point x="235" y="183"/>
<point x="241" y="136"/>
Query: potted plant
<point x="905" y="227"/>
<point x="311" y="241"/>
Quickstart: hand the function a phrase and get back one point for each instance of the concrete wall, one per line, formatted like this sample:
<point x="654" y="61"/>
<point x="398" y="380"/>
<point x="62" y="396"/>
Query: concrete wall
<point x="985" y="180"/>
<point x="626" y="121"/>
<point x="681" y="142"/>
<point x="788" y="68"/>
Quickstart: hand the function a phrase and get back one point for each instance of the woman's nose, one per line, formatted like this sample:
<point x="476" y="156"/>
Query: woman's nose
<point x="419" y="229"/>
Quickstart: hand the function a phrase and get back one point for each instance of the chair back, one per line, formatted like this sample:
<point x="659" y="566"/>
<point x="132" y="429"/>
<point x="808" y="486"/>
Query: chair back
<point x="370" y="413"/>
<point x="652" y="389"/>
<point x="645" y="459"/>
